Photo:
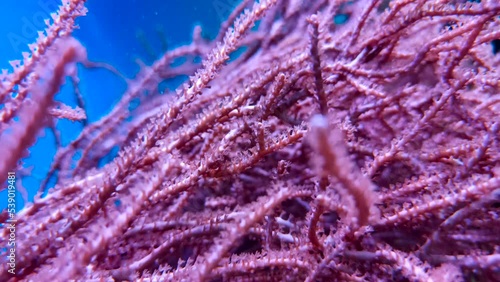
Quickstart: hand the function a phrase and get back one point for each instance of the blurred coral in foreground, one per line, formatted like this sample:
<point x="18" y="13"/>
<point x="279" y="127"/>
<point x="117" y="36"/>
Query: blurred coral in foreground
<point x="348" y="141"/>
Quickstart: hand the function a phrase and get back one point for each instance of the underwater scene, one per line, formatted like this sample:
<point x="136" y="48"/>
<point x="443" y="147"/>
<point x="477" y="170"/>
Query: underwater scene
<point x="249" y="140"/>
<point x="119" y="33"/>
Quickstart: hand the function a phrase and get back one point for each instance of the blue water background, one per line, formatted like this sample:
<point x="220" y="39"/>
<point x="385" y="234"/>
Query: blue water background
<point x="113" y="32"/>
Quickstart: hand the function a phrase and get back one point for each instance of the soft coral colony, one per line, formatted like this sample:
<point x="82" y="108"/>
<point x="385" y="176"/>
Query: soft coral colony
<point x="328" y="150"/>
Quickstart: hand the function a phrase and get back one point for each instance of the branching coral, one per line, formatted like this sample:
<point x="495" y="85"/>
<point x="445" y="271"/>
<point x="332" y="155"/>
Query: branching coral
<point x="328" y="150"/>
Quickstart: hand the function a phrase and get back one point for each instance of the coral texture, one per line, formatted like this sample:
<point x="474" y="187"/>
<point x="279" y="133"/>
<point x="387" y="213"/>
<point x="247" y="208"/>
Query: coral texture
<point x="348" y="141"/>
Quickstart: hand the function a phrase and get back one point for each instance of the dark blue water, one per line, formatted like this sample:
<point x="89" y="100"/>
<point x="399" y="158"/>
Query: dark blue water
<point x="115" y="32"/>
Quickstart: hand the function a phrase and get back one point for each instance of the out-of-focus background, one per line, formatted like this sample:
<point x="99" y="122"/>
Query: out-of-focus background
<point x="117" y="32"/>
